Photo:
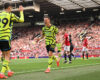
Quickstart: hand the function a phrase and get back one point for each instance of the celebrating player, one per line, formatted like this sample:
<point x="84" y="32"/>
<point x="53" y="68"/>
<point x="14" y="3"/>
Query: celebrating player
<point x="6" y="23"/>
<point x="49" y="31"/>
<point x="85" y="47"/>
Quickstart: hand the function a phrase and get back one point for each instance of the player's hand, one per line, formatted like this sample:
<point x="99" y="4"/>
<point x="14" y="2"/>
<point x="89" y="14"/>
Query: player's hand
<point x="21" y="8"/>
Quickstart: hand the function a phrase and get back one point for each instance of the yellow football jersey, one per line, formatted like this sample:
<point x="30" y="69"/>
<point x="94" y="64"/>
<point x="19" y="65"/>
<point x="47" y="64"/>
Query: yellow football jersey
<point x="6" y="24"/>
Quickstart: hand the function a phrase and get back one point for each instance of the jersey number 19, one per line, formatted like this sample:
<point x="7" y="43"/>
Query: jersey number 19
<point x="4" y="21"/>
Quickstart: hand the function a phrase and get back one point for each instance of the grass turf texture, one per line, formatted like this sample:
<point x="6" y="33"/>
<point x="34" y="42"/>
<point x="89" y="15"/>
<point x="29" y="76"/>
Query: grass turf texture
<point x="33" y="69"/>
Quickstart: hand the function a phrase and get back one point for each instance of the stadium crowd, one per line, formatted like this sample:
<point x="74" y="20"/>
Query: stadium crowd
<point x="24" y="44"/>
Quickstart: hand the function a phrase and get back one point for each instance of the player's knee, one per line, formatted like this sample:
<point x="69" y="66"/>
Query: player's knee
<point x="64" y="52"/>
<point x="68" y="52"/>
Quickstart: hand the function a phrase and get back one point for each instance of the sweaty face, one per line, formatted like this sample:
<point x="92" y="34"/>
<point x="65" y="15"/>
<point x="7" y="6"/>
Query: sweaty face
<point x="47" y="21"/>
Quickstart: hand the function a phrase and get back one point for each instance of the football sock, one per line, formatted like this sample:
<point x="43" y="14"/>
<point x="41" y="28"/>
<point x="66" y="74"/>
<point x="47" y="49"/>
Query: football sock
<point x="50" y="62"/>
<point x="5" y="66"/>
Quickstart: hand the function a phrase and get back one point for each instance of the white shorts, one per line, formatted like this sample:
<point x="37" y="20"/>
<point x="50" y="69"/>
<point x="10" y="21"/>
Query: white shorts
<point x="84" y="49"/>
<point x="67" y="48"/>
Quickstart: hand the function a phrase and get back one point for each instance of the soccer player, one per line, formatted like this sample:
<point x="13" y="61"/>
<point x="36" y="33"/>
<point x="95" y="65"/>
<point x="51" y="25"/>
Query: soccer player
<point x="71" y="46"/>
<point x="67" y="48"/>
<point x="49" y="31"/>
<point x="58" y="46"/>
<point x="6" y="20"/>
<point x="85" y="47"/>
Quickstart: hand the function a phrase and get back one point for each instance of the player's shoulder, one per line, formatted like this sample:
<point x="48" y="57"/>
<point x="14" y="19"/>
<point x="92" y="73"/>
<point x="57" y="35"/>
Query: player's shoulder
<point x="43" y="27"/>
<point x="12" y="14"/>
<point x="66" y="34"/>
<point x="53" y="26"/>
<point x="3" y="13"/>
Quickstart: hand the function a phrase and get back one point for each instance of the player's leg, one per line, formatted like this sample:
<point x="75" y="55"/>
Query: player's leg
<point x="71" y="50"/>
<point x="69" y="56"/>
<point x="5" y="64"/>
<point x="2" y="57"/>
<point x="50" y="60"/>
<point x="50" y="49"/>
<point x="83" y="55"/>
<point x="68" y="53"/>
<point x="86" y="54"/>
<point x="58" y="45"/>
<point x="72" y="55"/>
<point x="65" y="55"/>
<point x="3" y="70"/>
<point x="59" y="55"/>
<point x="6" y="61"/>
<point x="83" y="52"/>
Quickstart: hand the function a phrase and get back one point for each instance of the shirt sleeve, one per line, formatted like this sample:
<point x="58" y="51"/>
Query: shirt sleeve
<point x="16" y="18"/>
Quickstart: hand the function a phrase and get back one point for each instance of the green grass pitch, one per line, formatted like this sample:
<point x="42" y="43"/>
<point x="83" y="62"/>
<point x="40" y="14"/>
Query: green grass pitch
<point x="33" y="69"/>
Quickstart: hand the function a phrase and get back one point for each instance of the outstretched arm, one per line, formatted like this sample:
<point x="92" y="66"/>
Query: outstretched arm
<point x="16" y="18"/>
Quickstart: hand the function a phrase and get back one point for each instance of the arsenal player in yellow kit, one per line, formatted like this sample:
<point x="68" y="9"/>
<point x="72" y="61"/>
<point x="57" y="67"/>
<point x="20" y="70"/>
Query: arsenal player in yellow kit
<point x="6" y="24"/>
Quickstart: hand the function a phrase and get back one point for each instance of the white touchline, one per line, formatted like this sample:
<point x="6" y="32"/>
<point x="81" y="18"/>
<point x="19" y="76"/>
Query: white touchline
<point x="56" y="68"/>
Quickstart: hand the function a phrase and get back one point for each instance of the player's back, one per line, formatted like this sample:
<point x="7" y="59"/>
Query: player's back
<point x="5" y="26"/>
<point x="4" y="20"/>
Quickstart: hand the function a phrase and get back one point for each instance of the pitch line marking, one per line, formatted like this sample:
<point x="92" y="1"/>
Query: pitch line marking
<point x="56" y="68"/>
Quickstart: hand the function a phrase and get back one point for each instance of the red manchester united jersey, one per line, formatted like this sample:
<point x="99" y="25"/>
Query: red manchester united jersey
<point x="66" y="36"/>
<point x="85" y="42"/>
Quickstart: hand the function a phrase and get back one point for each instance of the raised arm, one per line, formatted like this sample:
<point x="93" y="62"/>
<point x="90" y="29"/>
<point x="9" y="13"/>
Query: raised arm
<point x="16" y="18"/>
